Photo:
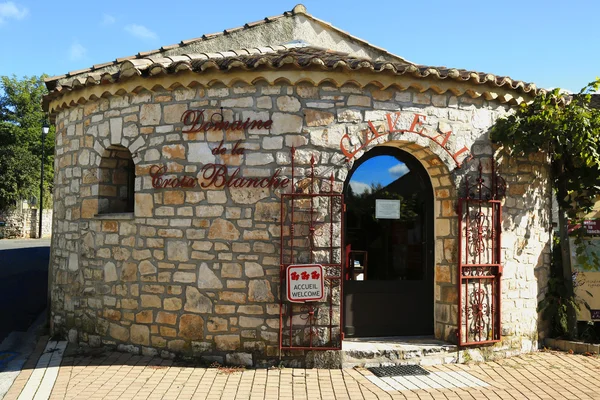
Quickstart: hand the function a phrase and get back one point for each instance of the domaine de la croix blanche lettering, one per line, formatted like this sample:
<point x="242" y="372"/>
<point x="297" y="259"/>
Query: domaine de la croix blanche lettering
<point x="213" y="174"/>
<point x="416" y="126"/>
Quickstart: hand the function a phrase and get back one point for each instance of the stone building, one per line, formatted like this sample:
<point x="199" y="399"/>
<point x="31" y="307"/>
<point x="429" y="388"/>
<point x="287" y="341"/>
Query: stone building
<point x="188" y="180"/>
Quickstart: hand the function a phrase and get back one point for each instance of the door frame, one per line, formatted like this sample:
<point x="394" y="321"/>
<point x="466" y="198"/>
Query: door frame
<point x="430" y="235"/>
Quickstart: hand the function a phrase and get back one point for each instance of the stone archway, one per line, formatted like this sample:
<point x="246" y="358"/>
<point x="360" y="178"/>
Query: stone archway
<point x="445" y="236"/>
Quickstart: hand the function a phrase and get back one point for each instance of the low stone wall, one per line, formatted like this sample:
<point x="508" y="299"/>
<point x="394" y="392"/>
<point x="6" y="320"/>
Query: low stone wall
<point x="24" y="224"/>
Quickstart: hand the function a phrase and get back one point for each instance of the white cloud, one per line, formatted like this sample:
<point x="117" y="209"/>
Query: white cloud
<point x="108" y="19"/>
<point x="398" y="170"/>
<point x="77" y="51"/>
<point x="10" y="10"/>
<point x="360" y="187"/>
<point x="141" y="31"/>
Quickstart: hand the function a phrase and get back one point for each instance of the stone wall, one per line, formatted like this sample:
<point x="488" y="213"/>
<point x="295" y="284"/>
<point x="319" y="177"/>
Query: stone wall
<point x="24" y="224"/>
<point x="196" y="270"/>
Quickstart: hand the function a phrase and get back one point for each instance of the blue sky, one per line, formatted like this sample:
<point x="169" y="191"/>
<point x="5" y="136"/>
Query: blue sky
<point x="552" y="43"/>
<point x="380" y="169"/>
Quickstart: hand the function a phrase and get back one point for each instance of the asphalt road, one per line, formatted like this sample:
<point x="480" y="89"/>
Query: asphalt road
<point x="23" y="282"/>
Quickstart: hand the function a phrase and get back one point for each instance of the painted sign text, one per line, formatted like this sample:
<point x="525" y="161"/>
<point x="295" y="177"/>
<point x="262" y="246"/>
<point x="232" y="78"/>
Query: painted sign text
<point x="392" y="119"/>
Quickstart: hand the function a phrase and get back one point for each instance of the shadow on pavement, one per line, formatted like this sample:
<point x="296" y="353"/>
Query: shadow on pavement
<point x="23" y="287"/>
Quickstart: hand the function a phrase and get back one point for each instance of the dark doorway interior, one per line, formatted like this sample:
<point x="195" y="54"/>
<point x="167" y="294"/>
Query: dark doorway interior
<point x="23" y="283"/>
<point x="388" y="289"/>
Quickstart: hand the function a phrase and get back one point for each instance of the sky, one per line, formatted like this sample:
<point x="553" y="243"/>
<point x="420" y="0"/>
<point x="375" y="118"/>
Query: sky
<point x="379" y="169"/>
<point x="553" y="43"/>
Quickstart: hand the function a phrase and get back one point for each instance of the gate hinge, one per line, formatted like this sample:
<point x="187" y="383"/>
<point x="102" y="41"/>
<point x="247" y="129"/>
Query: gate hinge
<point x="343" y="335"/>
<point x="344" y="207"/>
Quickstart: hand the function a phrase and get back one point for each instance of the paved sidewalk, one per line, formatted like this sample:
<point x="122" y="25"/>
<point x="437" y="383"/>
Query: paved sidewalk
<point x="543" y="375"/>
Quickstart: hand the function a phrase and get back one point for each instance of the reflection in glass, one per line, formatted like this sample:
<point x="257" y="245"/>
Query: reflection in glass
<point x="386" y="249"/>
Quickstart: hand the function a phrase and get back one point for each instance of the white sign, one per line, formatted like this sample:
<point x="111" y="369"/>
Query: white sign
<point x="387" y="209"/>
<point x="305" y="283"/>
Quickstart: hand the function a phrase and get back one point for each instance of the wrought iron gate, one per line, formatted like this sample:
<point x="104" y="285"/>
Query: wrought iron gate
<point x="312" y="233"/>
<point x="479" y="260"/>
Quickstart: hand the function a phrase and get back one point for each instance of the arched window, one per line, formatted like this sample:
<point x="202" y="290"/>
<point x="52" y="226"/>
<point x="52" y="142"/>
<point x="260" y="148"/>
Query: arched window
<point x="116" y="178"/>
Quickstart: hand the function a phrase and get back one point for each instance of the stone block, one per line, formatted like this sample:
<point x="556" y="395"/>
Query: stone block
<point x="150" y="301"/>
<point x="349" y="115"/>
<point x="89" y="208"/>
<point x="129" y="272"/>
<point x="256" y="235"/>
<point x="288" y="104"/>
<point x="144" y="317"/>
<point x="442" y="273"/>
<point x="144" y="205"/>
<point x="191" y="327"/>
<point x="260" y="290"/>
<point x="209" y="211"/>
<point x="272" y="143"/>
<point x="184" y="277"/>
<point x="318" y="118"/>
<point x="264" y="102"/>
<point x="168" y="332"/>
<point x="268" y="212"/>
<point x="173" y="304"/>
<point x="140" y="334"/>
<point x="231" y="270"/>
<point x="223" y="229"/>
<point x="239" y="359"/>
<point x="240" y="102"/>
<point x="216" y="197"/>
<point x="200" y="152"/>
<point x="150" y="114"/>
<point x="175" y="197"/>
<point x="227" y="342"/>
<point x="173" y="113"/>
<point x="166" y="318"/>
<point x="174" y="151"/>
<point x="252" y="309"/>
<point x="113" y="315"/>
<point x="308" y="92"/>
<point x="110" y="272"/>
<point x="250" y="322"/>
<point x="233" y="297"/>
<point x="196" y="301"/>
<point x="253" y="270"/>
<point x="119" y="332"/>
<point x="224" y="309"/>
<point x="207" y="278"/>
<point x="216" y="324"/>
<point x="178" y="250"/>
<point x="286" y="123"/>
<point x="360" y="101"/>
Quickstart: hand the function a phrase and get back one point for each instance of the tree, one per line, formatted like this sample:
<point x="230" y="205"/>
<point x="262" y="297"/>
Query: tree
<point x="567" y="129"/>
<point x="21" y="120"/>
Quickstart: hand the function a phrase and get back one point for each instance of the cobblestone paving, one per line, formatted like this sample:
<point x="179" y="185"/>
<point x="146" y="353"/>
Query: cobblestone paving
<point x="543" y="375"/>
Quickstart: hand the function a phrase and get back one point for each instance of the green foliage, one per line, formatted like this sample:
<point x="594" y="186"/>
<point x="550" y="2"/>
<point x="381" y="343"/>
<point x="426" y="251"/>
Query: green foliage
<point x="559" y="303"/>
<point x="567" y="129"/>
<point x="20" y="175"/>
<point x="21" y="120"/>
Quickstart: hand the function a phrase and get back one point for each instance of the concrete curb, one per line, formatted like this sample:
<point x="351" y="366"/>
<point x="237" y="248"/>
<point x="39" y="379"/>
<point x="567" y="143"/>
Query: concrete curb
<point x="570" y="345"/>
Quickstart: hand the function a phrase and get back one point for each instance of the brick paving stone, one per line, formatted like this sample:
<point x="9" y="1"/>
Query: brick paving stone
<point x="543" y="375"/>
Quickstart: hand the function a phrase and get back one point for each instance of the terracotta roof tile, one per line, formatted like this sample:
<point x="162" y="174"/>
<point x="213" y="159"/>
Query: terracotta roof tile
<point x="300" y="55"/>
<point x="80" y="71"/>
<point x="298" y="9"/>
<point x="188" y="41"/>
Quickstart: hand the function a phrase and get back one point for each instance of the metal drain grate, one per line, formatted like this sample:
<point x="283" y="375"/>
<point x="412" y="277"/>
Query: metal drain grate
<point x="398" y="370"/>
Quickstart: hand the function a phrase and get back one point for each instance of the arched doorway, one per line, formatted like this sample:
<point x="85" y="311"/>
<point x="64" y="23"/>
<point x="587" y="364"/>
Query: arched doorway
<point x="389" y="235"/>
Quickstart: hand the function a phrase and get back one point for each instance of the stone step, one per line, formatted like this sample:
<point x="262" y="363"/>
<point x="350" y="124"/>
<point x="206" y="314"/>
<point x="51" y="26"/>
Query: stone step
<point x="376" y="352"/>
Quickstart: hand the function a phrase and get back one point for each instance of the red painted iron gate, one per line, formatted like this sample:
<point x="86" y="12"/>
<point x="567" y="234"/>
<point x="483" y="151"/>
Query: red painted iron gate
<point x="479" y="260"/>
<point x="312" y="233"/>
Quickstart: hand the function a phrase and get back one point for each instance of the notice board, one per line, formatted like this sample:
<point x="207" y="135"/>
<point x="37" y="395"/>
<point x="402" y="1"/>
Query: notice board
<point x="587" y="282"/>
